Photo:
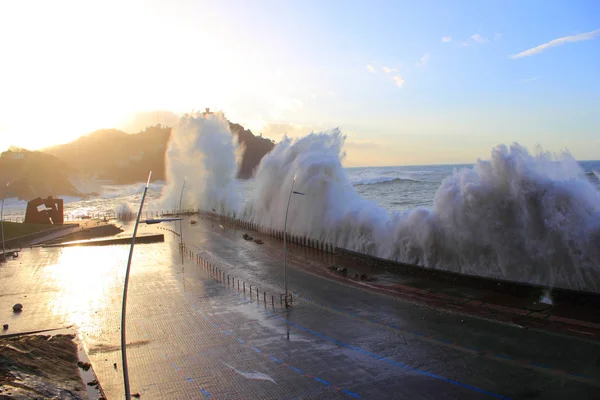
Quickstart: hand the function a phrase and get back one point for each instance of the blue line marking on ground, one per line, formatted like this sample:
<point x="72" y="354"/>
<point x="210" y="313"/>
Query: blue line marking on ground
<point x="503" y="356"/>
<point x="351" y="393"/>
<point x="322" y="381"/>
<point x="540" y="365"/>
<point x="275" y="359"/>
<point x="187" y="378"/>
<point x="298" y="370"/>
<point x="241" y="341"/>
<point x="418" y="371"/>
<point x="578" y="375"/>
<point x="429" y="374"/>
<point x="255" y="349"/>
<point x="227" y="333"/>
<point x="176" y="367"/>
<point x="205" y="392"/>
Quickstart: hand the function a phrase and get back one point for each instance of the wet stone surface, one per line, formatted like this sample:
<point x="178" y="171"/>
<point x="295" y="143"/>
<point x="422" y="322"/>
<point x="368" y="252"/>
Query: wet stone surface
<point x="190" y="336"/>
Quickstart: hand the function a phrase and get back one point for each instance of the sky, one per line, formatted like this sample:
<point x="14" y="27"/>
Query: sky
<point x="409" y="82"/>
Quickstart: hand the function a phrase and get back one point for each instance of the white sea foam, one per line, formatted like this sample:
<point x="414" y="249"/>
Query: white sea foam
<point x="518" y="216"/>
<point x="203" y="151"/>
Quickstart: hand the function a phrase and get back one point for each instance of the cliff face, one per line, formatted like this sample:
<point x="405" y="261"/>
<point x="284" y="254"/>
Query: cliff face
<point x="256" y="148"/>
<point x="34" y="174"/>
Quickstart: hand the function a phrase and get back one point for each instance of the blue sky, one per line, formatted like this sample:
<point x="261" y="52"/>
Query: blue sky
<point x="409" y="82"/>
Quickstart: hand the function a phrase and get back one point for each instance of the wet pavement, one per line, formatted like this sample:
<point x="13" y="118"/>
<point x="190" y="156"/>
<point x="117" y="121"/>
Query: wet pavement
<point x="191" y="336"/>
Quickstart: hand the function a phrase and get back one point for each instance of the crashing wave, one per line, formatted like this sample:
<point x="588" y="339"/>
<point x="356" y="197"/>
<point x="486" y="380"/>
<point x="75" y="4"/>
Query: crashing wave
<point x="202" y="151"/>
<point x="518" y="216"/>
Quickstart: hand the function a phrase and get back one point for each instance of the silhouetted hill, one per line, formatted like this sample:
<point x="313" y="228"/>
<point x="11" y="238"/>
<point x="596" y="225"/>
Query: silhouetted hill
<point x="35" y="174"/>
<point x="125" y="158"/>
<point x="114" y="155"/>
<point x="256" y="148"/>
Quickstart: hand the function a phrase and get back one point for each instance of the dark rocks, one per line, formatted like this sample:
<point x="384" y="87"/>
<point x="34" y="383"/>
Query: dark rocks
<point x="258" y="241"/>
<point x="18" y="307"/>
<point x="5" y="326"/>
<point x="247" y="237"/>
<point x="84" y="365"/>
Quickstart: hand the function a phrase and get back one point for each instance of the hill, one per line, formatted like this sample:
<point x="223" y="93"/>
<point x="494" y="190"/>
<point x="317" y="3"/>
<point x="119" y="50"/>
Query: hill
<point x="110" y="154"/>
<point x="35" y="174"/>
<point x="126" y="158"/>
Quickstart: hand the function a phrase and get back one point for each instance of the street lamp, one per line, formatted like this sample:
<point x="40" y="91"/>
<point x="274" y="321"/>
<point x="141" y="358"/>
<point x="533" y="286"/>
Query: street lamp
<point x="2" y="224"/>
<point x="181" y="222"/>
<point x="124" y="305"/>
<point x="285" y="242"/>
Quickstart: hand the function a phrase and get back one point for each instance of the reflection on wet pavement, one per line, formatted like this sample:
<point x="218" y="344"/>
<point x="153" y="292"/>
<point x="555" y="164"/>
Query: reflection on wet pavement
<point x="192" y="337"/>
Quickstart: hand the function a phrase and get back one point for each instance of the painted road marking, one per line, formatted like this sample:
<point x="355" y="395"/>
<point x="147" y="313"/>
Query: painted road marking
<point x="454" y="345"/>
<point x="205" y="392"/>
<point x="277" y="360"/>
<point x="398" y="364"/>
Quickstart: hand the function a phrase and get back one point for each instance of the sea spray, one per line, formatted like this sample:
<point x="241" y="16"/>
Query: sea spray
<point x="203" y="151"/>
<point x="518" y="216"/>
<point x="124" y="212"/>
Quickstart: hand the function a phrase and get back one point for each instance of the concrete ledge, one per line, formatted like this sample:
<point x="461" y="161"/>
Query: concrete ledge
<point x="24" y="240"/>
<point x="108" y="242"/>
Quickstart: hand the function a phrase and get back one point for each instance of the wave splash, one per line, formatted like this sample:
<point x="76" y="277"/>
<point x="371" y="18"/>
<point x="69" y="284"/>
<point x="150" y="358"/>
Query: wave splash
<point x="202" y="151"/>
<point x="518" y="216"/>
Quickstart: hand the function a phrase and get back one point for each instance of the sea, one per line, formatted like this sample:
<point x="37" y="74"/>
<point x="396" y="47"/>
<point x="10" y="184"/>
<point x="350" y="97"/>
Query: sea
<point x="394" y="188"/>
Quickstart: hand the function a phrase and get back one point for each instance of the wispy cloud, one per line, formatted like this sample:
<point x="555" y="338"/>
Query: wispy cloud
<point x="475" y="39"/>
<point x="423" y="61"/>
<point x="478" y="38"/>
<point x="398" y="80"/>
<point x="389" y="70"/>
<point x="446" y="39"/>
<point x="371" y="68"/>
<point x="557" y="42"/>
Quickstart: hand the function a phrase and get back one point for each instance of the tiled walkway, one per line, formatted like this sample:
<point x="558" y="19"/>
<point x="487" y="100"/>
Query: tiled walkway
<point x="192" y="337"/>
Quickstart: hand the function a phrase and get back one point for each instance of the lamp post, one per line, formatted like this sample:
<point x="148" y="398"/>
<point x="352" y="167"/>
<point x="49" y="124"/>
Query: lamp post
<point x="2" y="224"/>
<point x="181" y="222"/>
<point x="285" y="242"/>
<point x="124" y="305"/>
